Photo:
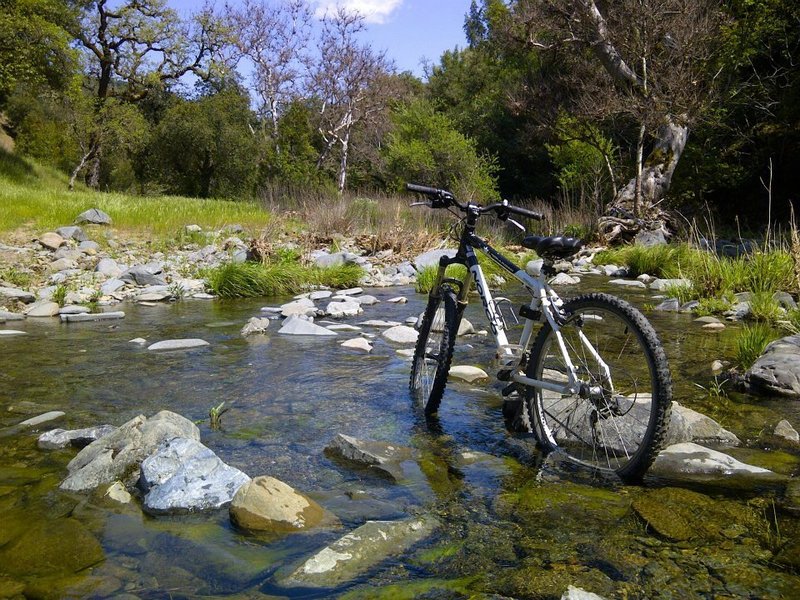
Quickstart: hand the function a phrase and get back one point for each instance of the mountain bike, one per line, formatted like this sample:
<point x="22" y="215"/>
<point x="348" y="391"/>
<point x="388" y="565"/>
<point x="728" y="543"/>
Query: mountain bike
<point x="592" y="384"/>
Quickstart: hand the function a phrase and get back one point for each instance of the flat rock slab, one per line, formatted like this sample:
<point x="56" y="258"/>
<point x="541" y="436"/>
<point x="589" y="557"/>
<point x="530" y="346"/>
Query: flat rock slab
<point x="104" y="316"/>
<point x="297" y="326"/>
<point x="382" y="456"/>
<point x="690" y="461"/>
<point x="342" y="327"/>
<point x="343" y="309"/>
<point x="359" y="343"/>
<point x="43" y="418"/>
<point x="51" y="240"/>
<point x="43" y="308"/>
<point x="401" y="334"/>
<point x="380" y="323"/>
<point x="268" y="504"/>
<point x="9" y="293"/>
<point x="356" y="553"/>
<point x="11" y="332"/>
<point x="73" y="309"/>
<point x="183" y="476"/>
<point x="467" y="373"/>
<point x="320" y="295"/>
<point x="56" y="439"/>
<point x="10" y="316"/>
<point x="255" y="325"/>
<point x="632" y="283"/>
<point x="93" y="216"/>
<point x="302" y="307"/>
<point x="184" y="344"/>
<point x="350" y="292"/>
<point x="687" y="425"/>
<point x="777" y="370"/>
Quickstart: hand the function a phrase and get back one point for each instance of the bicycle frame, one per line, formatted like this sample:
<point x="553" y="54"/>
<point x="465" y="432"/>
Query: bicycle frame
<point x="544" y="301"/>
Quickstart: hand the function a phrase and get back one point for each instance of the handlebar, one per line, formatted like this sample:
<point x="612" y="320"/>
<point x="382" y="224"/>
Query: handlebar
<point x="442" y="199"/>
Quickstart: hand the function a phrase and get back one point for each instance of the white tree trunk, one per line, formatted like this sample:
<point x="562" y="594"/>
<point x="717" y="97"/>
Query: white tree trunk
<point x="343" y="161"/>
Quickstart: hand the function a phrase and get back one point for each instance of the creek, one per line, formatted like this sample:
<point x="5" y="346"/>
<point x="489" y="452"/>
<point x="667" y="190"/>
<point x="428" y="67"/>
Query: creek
<point x="512" y="523"/>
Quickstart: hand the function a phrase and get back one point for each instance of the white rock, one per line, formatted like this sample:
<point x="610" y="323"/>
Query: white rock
<point x="342" y="327"/>
<point x="574" y="593"/>
<point x="405" y="352"/>
<point x="343" y="309"/>
<point x="350" y="292"/>
<point x="320" y="295"/>
<point x="398" y="300"/>
<point x="183" y="344"/>
<point x="785" y="430"/>
<point x="564" y="279"/>
<point x="465" y="327"/>
<point x="11" y="332"/>
<point x="694" y="460"/>
<point x="42" y="308"/>
<point x="380" y="323"/>
<point x="467" y="373"/>
<point x="106" y="316"/>
<point x="628" y="283"/>
<point x="661" y="285"/>
<point x="117" y="492"/>
<point x="401" y="334"/>
<point x="139" y="341"/>
<point x="43" y="418"/>
<point x="366" y="300"/>
<point x="299" y="326"/>
<point x="255" y="325"/>
<point x="358" y="343"/>
<point x="299" y="307"/>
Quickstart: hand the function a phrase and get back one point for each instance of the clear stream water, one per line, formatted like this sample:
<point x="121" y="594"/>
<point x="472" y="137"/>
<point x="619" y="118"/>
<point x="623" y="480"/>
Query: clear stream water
<point x="511" y="524"/>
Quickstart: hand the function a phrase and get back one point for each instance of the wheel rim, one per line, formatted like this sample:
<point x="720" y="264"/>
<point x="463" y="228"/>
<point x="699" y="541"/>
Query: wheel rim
<point x="428" y="362"/>
<point x="607" y="422"/>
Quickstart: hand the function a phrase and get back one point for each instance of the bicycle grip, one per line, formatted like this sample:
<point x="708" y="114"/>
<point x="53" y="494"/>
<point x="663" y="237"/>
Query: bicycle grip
<point x="524" y="212"/>
<point x="422" y="189"/>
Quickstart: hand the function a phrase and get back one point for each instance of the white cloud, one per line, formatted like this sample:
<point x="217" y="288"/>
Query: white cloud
<point x="373" y="11"/>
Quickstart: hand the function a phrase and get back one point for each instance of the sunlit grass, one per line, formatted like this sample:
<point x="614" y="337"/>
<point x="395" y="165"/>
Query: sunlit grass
<point x="751" y="344"/>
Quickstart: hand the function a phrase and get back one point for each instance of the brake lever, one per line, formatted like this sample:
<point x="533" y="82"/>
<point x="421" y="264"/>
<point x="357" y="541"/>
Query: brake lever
<point x="428" y="204"/>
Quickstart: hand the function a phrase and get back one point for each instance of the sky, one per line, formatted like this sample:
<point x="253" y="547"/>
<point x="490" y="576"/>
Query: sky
<point x="408" y="30"/>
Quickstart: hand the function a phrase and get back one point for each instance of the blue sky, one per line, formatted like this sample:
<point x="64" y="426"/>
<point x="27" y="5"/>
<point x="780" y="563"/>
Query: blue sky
<point x="409" y="30"/>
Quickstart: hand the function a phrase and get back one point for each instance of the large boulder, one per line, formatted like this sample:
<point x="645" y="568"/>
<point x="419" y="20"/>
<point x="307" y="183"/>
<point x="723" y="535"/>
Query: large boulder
<point x="142" y="275"/>
<point x="183" y="476"/>
<point x="431" y="258"/>
<point x="93" y="216"/>
<point x="687" y="425"/>
<point x="777" y="370"/>
<point x="267" y="504"/>
<point x="356" y="553"/>
<point x="117" y="456"/>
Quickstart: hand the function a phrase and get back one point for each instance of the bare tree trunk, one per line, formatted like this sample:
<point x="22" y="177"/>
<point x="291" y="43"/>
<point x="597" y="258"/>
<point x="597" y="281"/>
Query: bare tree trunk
<point x="84" y="160"/>
<point x="621" y="223"/>
<point x="343" y="161"/>
<point x="637" y="197"/>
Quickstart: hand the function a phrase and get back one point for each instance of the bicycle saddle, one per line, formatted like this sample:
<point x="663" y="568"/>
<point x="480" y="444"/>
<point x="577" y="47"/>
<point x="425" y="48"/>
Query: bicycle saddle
<point x="553" y="247"/>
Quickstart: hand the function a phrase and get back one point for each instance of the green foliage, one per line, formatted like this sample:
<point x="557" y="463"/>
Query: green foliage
<point x="247" y="280"/>
<point x="425" y="147"/>
<point x="751" y="343"/>
<point x="60" y="294"/>
<point x="426" y="278"/>
<point x="204" y="148"/>
<point x="292" y="158"/>
<point x="495" y="275"/>
<point x="578" y="154"/>
<point x="763" y="307"/>
<point x="793" y="320"/>
<point x="712" y="306"/>
<point x="16" y="277"/>
<point x="683" y="293"/>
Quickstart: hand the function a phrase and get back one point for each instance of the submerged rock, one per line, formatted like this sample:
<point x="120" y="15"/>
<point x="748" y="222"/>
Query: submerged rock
<point x="183" y="475"/>
<point x="185" y="344"/>
<point x="299" y="326"/>
<point x="694" y="462"/>
<point x="574" y="593"/>
<point x="353" y="555"/>
<point x="777" y="370"/>
<point x="255" y="325"/>
<point x="381" y="456"/>
<point x="358" y="343"/>
<point x="119" y="454"/>
<point x="11" y="332"/>
<point x="267" y="504"/>
<point x="103" y="316"/>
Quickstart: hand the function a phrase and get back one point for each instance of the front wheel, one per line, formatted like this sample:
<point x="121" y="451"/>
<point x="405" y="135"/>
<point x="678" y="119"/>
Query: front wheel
<point x="615" y="417"/>
<point x="434" y="350"/>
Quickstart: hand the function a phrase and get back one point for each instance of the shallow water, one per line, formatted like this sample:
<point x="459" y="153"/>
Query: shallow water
<point x="510" y="525"/>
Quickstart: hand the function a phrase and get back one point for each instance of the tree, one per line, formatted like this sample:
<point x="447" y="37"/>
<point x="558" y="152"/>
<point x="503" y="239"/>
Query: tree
<point x="351" y="82"/>
<point x="130" y="47"/>
<point x="424" y="147"/>
<point x="274" y="38"/>
<point x="648" y="66"/>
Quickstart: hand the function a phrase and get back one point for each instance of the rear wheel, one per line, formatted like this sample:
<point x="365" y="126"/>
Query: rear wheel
<point x="616" y="417"/>
<point x="434" y="350"/>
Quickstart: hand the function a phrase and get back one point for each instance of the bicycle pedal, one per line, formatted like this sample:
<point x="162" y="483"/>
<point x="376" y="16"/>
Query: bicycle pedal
<point x="505" y="374"/>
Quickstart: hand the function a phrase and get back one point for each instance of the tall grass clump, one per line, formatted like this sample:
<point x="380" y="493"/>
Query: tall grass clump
<point x="253" y="279"/>
<point x="764" y="307"/>
<point x="665" y="261"/>
<point x="751" y="343"/>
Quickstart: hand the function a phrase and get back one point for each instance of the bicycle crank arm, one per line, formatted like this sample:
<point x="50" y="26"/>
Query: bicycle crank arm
<point x="544" y="385"/>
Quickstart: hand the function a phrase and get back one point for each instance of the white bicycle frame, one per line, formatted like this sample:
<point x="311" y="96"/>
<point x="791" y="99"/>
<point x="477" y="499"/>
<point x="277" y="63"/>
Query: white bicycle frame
<point x="544" y="300"/>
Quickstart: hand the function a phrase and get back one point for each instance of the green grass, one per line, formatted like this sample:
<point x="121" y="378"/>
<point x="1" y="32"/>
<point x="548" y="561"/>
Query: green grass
<point x="36" y="197"/>
<point x="250" y="279"/>
<point x="751" y="344"/>
<point x="491" y="270"/>
<point x="16" y="277"/>
<point x="763" y="307"/>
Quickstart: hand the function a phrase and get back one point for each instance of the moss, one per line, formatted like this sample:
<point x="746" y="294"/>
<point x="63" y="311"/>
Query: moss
<point x="426" y="588"/>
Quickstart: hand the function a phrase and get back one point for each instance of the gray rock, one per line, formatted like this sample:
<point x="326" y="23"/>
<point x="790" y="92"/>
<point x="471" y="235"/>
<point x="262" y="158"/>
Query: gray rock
<point x="11" y="332"/>
<point x="707" y="320"/>
<point x="104" y="316"/>
<point x="398" y="300"/>
<point x="267" y="504"/>
<point x="43" y="418"/>
<point x="117" y="492"/>
<point x="690" y="306"/>
<point x="108" y="267"/>
<point x="72" y="232"/>
<point x="10" y="316"/>
<point x="785" y="300"/>
<point x="611" y="270"/>
<point x="660" y="285"/>
<point x="141" y="275"/>
<point x="632" y="283"/>
<point x="299" y="326"/>
<point x="56" y="439"/>
<point x="380" y="456"/>
<point x="431" y="258"/>
<point x="671" y="305"/>
<point x="342" y="327"/>
<point x="785" y="430"/>
<point x="325" y="261"/>
<point x="184" y="344"/>
<point x="302" y="307"/>
<point x="648" y="239"/>
<point x="193" y="228"/>
<point x="401" y="334"/>
<point x="465" y="328"/>
<point x="359" y="551"/>
<point x="183" y="476"/>
<point x="343" y="309"/>
<point x="358" y="343"/>
<point x="777" y="370"/>
<point x="320" y="295"/>
<point x="366" y="300"/>
<point x="467" y="373"/>
<point x="147" y="296"/>
<point x="138" y="341"/>
<point x="692" y="461"/>
<point x="255" y="325"/>
<point x="9" y="293"/>
<point x="350" y="292"/>
<point x="564" y="279"/>
<point x="63" y="265"/>
<point x="68" y="253"/>
<point x="739" y="311"/>
<point x="119" y="454"/>
<point x="687" y="425"/>
<point x="380" y="323"/>
<point x="111" y="286"/>
<point x="73" y="309"/>
<point x="89" y="247"/>
<point x="42" y="308"/>
<point x="94" y="216"/>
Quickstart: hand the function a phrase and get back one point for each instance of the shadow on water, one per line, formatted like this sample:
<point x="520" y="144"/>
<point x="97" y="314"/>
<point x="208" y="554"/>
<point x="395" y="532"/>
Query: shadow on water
<point x="513" y="522"/>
